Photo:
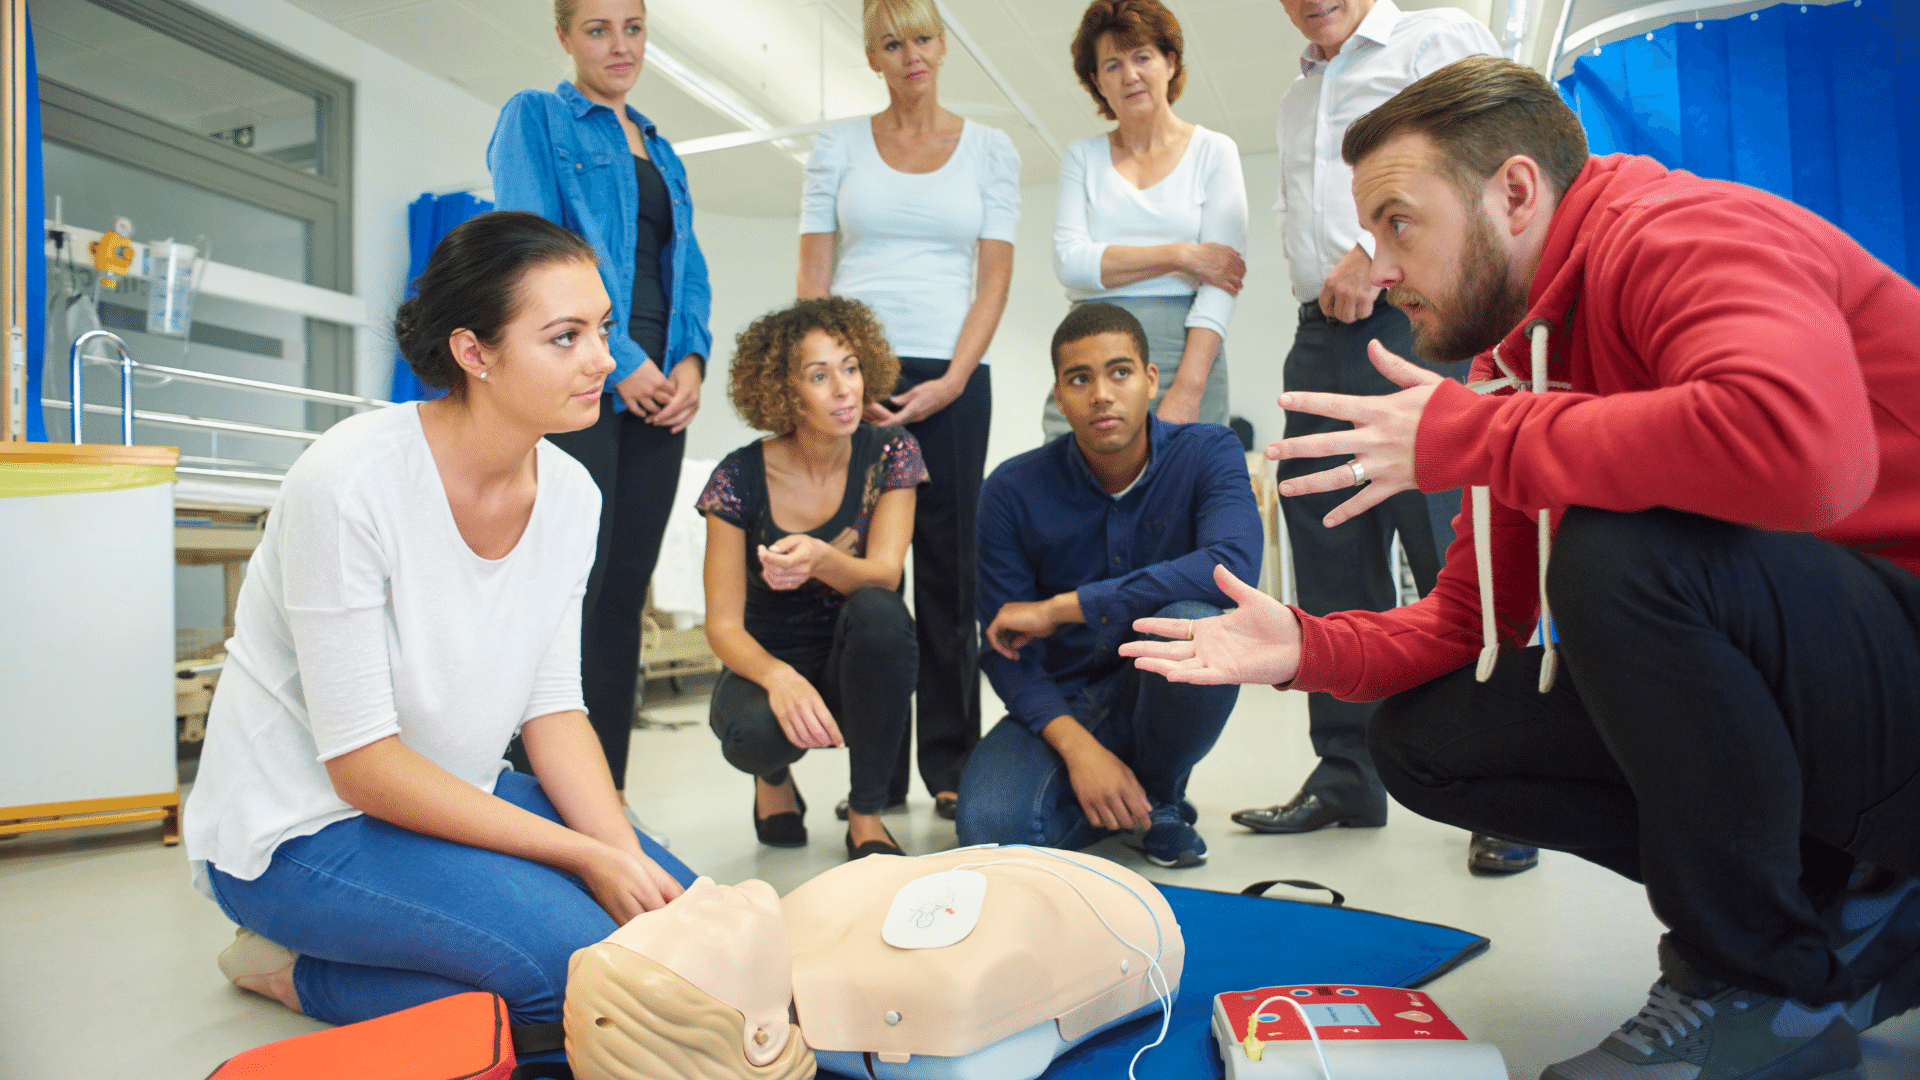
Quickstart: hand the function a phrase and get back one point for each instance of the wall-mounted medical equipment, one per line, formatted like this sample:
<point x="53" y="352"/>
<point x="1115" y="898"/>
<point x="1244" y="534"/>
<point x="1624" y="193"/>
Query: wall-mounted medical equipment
<point x="173" y="273"/>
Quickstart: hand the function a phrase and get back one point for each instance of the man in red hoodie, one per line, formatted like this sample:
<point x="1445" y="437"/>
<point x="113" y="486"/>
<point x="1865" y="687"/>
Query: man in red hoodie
<point x="1705" y="402"/>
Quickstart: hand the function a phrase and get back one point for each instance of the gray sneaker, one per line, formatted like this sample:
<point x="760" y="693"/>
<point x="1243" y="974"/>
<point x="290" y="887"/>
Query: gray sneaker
<point x="1710" y="1031"/>
<point x="1876" y="932"/>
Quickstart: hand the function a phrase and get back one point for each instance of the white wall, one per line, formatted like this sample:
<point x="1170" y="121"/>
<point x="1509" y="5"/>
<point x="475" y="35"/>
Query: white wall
<point x="413" y="132"/>
<point x="751" y="262"/>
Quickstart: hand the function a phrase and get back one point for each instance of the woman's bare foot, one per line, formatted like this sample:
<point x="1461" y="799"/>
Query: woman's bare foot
<point x="865" y="827"/>
<point x="277" y="985"/>
<point x="769" y="800"/>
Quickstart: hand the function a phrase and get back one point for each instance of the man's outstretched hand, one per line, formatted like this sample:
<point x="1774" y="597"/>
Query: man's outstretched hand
<point x="1257" y="642"/>
<point x="1382" y="438"/>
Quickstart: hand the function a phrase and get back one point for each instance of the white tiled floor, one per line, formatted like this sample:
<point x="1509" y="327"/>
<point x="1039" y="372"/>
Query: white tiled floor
<point x="106" y="953"/>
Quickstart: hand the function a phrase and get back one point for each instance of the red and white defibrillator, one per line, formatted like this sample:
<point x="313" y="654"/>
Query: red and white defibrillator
<point x="1364" y="1033"/>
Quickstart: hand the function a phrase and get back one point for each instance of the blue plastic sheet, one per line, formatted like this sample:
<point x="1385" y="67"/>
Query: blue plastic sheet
<point x="429" y="219"/>
<point x="1819" y="105"/>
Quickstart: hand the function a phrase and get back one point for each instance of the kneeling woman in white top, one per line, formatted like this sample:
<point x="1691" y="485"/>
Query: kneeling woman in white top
<point x="414" y="603"/>
<point x="1152" y="216"/>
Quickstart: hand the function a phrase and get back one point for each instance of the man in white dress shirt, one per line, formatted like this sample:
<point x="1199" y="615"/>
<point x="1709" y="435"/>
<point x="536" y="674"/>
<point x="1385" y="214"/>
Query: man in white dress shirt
<point x="1360" y="53"/>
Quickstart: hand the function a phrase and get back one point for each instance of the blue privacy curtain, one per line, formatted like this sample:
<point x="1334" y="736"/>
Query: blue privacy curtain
<point x="429" y="219"/>
<point x="36" y="257"/>
<point x="1820" y="105"/>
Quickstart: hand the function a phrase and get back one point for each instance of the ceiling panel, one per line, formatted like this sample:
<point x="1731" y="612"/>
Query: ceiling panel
<point x="767" y="55"/>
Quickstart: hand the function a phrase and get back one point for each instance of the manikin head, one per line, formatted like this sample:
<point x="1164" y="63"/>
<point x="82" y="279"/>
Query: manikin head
<point x="1457" y="178"/>
<point x="1102" y="381"/>
<point x="1327" y="23"/>
<point x="698" y="989"/>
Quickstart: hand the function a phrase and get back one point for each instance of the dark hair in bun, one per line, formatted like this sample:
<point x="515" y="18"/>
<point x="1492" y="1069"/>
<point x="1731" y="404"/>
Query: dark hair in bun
<point x="472" y="283"/>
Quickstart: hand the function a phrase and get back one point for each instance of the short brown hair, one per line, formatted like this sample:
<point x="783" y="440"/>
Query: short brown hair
<point x="1480" y="112"/>
<point x="1132" y="23"/>
<point x="760" y="382"/>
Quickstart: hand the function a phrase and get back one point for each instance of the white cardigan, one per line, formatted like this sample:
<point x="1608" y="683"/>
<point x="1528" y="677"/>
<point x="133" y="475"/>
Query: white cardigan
<point x="1204" y="200"/>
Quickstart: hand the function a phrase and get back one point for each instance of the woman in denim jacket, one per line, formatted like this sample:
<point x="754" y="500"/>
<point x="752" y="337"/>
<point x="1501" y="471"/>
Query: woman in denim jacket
<point x="581" y="156"/>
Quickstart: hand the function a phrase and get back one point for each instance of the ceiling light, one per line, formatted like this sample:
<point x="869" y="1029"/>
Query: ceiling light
<point x="716" y="98"/>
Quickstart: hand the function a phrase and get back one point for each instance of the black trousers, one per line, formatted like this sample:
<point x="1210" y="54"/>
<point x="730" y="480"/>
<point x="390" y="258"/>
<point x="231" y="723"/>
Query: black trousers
<point x="1741" y="722"/>
<point x="945" y="560"/>
<point x="637" y="466"/>
<point x="865" y="676"/>
<point x="1347" y="568"/>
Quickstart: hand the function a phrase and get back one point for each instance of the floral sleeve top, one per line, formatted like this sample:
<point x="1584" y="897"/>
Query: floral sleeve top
<point x="882" y="460"/>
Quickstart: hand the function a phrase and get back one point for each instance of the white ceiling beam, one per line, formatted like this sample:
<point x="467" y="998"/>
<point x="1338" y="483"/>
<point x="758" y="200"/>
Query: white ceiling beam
<point x="980" y="57"/>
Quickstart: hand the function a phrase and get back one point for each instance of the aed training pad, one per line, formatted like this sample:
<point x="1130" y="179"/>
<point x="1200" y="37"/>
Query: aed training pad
<point x="1236" y="941"/>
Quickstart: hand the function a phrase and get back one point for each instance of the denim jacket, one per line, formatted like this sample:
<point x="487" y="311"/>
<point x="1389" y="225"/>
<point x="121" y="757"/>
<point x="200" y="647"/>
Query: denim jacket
<point x="561" y="156"/>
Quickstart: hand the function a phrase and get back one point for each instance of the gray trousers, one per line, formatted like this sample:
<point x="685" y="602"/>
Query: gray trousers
<point x="1346" y="568"/>
<point x="1164" y="318"/>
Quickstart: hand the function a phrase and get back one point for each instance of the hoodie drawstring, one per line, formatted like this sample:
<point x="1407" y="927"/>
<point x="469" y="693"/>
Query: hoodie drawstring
<point x="1538" y="330"/>
<point x="1482" y="497"/>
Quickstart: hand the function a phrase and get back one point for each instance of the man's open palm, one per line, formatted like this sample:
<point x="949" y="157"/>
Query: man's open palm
<point x="1257" y="642"/>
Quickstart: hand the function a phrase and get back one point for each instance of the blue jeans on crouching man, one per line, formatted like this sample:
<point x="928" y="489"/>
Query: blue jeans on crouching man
<point x="385" y="918"/>
<point x="1016" y="789"/>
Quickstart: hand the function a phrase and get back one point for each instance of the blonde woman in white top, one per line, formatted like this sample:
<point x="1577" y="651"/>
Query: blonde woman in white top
<point x="925" y="206"/>
<point x="1152" y="216"/>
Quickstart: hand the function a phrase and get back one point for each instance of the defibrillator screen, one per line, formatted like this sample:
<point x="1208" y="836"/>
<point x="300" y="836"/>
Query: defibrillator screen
<point x="1345" y="1014"/>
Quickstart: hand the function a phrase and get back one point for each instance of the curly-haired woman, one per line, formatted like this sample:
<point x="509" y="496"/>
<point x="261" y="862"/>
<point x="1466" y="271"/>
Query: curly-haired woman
<point x="806" y="535"/>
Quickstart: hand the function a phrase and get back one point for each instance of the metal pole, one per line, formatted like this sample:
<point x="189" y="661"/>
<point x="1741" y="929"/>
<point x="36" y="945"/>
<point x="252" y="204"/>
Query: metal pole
<point x="126" y="382"/>
<point x="14" y="248"/>
<point x="1559" y="39"/>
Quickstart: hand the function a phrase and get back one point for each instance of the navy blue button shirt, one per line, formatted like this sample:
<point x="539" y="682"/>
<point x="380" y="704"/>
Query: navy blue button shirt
<point x="1048" y="527"/>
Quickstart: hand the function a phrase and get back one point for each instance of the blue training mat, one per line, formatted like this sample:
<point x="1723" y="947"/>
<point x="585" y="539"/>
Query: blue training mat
<point x="1237" y="942"/>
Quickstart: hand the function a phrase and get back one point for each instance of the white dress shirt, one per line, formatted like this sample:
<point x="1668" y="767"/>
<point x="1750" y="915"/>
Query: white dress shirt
<point x="1389" y="51"/>
<point x="1202" y="201"/>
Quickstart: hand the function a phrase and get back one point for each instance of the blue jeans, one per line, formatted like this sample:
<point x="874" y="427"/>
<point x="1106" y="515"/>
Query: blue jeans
<point x="1016" y="789"/>
<point x="385" y="918"/>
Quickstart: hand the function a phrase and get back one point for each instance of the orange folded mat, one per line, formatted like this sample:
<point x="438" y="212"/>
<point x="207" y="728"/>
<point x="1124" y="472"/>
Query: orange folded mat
<point x="463" y="1037"/>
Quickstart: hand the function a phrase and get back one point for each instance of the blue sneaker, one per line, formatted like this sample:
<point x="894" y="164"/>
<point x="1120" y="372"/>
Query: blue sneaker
<point x="1169" y="841"/>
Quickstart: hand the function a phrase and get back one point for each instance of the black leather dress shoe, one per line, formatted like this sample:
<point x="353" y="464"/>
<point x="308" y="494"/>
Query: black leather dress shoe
<point x="871" y="847"/>
<point x="1304" y="813"/>
<point x="1493" y="855"/>
<point x="787" y="829"/>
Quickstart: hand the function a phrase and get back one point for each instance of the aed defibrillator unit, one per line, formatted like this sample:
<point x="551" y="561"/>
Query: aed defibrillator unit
<point x="1365" y="1033"/>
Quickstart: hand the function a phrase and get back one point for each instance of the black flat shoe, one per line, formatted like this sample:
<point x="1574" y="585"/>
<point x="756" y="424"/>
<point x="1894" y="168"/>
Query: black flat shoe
<point x="840" y="808"/>
<point x="1304" y="813"/>
<point x="947" y="806"/>
<point x="1492" y="855"/>
<point x="872" y="847"/>
<point x="787" y="829"/>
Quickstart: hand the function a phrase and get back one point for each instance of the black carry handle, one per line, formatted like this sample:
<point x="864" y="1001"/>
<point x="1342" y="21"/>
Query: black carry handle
<point x="1259" y="888"/>
<point x="538" y="1038"/>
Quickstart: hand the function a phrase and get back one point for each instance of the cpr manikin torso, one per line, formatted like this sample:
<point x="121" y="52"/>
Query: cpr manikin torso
<point x="698" y="990"/>
<point x="996" y="964"/>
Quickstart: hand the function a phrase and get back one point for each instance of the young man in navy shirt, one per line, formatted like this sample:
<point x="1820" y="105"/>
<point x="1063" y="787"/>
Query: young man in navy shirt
<point x="1124" y="518"/>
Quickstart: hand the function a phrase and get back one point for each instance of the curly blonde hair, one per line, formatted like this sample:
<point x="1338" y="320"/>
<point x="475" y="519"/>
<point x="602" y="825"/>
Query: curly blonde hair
<point x="761" y="380"/>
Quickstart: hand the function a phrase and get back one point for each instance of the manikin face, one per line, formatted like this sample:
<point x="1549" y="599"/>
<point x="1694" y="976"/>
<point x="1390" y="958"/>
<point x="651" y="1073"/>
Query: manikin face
<point x="1133" y="79"/>
<point x="832" y="392"/>
<point x="1327" y="23"/>
<point x="909" y="62"/>
<point x="1442" y="258"/>
<point x="552" y="361"/>
<point x="1104" y="390"/>
<point x="608" y="43"/>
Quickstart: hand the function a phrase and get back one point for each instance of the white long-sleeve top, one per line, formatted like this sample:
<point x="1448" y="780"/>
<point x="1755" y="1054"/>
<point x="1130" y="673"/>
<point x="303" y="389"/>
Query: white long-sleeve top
<point x="1389" y="51"/>
<point x="908" y="241"/>
<point x="365" y="614"/>
<point x="1203" y="200"/>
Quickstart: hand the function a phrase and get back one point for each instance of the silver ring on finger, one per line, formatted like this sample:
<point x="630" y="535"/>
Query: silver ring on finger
<point x="1359" y="472"/>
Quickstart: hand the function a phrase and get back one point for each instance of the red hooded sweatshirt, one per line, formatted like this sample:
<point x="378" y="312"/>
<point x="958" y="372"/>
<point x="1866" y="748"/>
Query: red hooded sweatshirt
<point x="1711" y="348"/>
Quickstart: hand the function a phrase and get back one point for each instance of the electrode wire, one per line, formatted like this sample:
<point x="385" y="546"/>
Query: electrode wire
<point x="1254" y="1022"/>
<point x="1156" y="976"/>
